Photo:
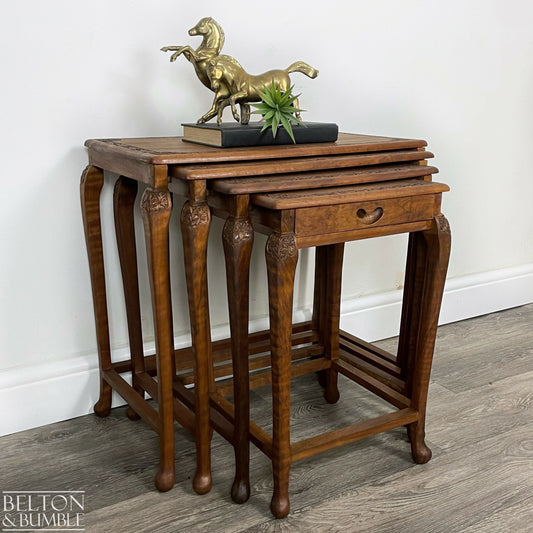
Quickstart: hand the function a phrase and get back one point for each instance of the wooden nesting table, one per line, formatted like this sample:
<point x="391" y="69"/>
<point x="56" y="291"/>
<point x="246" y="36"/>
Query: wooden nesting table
<point x="273" y="190"/>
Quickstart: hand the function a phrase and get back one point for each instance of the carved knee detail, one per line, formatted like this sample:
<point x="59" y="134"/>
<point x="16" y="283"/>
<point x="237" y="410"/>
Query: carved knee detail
<point x="195" y="215"/>
<point x="154" y="201"/>
<point x="237" y="230"/>
<point x="281" y="247"/>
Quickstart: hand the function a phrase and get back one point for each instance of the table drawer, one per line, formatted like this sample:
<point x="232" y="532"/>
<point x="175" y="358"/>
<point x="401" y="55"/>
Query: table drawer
<point x="359" y="215"/>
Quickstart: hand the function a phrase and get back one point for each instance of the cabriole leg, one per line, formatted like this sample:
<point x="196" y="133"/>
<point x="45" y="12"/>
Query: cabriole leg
<point x="91" y="184"/>
<point x="195" y="221"/>
<point x="156" y="208"/>
<point x="124" y="196"/>
<point x="281" y="258"/>
<point x="238" y="238"/>
<point x="436" y="243"/>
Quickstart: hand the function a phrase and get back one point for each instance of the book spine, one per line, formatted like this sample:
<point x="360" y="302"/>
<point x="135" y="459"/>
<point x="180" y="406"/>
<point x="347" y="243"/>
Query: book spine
<point x="302" y="134"/>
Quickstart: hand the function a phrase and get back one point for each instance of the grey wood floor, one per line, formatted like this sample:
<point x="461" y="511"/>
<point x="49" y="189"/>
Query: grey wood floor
<point x="480" y="428"/>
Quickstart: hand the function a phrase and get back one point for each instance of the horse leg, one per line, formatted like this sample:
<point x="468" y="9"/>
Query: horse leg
<point x="245" y="113"/>
<point x="208" y="116"/>
<point x="220" y="96"/>
<point x="221" y="106"/>
<point x="233" y="100"/>
<point x="296" y="104"/>
<point x="178" y="50"/>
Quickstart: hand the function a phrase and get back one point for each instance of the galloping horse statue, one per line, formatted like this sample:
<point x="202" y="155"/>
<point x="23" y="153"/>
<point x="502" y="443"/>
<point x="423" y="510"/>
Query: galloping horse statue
<point x="226" y="74"/>
<point x="226" y="77"/>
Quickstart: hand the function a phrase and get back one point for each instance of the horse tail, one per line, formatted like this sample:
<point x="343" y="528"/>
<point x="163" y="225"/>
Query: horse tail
<point x="304" y="68"/>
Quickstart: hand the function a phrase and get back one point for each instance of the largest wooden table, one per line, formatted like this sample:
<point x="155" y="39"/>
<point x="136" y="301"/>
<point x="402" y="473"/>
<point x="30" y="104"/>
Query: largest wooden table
<point x="155" y="162"/>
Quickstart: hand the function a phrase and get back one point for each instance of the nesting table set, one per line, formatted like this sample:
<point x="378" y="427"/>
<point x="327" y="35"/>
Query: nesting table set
<point x="310" y="195"/>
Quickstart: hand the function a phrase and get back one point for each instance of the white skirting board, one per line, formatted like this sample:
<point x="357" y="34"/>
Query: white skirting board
<point x="50" y="392"/>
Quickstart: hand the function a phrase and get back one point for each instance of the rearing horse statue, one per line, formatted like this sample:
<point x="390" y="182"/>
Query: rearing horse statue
<point x="212" y="42"/>
<point x="226" y="77"/>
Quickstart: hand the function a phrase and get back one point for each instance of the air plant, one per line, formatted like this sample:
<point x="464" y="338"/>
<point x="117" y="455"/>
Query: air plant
<point x="278" y="109"/>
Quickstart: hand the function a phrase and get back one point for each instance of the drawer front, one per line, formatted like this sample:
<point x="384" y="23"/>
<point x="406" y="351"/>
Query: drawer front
<point x="360" y="215"/>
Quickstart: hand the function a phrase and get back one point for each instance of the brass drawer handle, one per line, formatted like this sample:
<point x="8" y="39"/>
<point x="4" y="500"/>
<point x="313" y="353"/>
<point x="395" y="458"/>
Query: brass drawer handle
<point x="369" y="218"/>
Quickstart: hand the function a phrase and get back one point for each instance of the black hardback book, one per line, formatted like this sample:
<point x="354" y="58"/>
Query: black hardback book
<point x="232" y="134"/>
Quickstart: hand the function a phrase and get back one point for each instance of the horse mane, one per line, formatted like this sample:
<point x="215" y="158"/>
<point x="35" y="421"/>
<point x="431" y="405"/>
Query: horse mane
<point x="216" y="40"/>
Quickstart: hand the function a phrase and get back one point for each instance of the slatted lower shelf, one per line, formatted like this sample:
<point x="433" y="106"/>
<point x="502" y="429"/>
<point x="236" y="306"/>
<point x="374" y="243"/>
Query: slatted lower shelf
<point x="365" y="364"/>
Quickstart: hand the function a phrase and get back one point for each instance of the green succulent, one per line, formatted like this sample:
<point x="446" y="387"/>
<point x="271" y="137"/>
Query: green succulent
<point x="278" y="109"/>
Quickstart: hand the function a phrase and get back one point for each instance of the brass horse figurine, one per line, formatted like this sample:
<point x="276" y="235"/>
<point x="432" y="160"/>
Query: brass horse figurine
<point x="226" y="77"/>
<point x="212" y="42"/>
<point x="226" y="74"/>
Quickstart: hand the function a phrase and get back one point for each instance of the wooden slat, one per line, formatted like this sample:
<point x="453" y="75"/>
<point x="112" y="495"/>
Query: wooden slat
<point x="133" y="398"/>
<point x="308" y="367"/>
<point x="258" y="436"/>
<point x="264" y="377"/>
<point x="123" y="366"/>
<point x="181" y="414"/>
<point x="184" y="395"/>
<point x="219" y="423"/>
<point x="385" y="377"/>
<point x="347" y="338"/>
<point x="150" y="365"/>
<point x="334" y="439"/>
<point x="372" y="384"/>
<point x="363" y="355"/>
<point x="259" y="342"/>
<point x="256" y="363"/>
<point x="371" y="354"/>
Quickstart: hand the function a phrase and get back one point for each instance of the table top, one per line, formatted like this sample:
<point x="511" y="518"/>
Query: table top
<point x="318" y="179"/>
<point x="176" y="151"/>
<point x="348" y="194"/>
<point x="156" y="160"/>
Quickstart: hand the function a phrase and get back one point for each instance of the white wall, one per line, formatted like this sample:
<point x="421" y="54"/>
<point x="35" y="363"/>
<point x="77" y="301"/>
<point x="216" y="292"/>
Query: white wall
<point x="458" y="74"/>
